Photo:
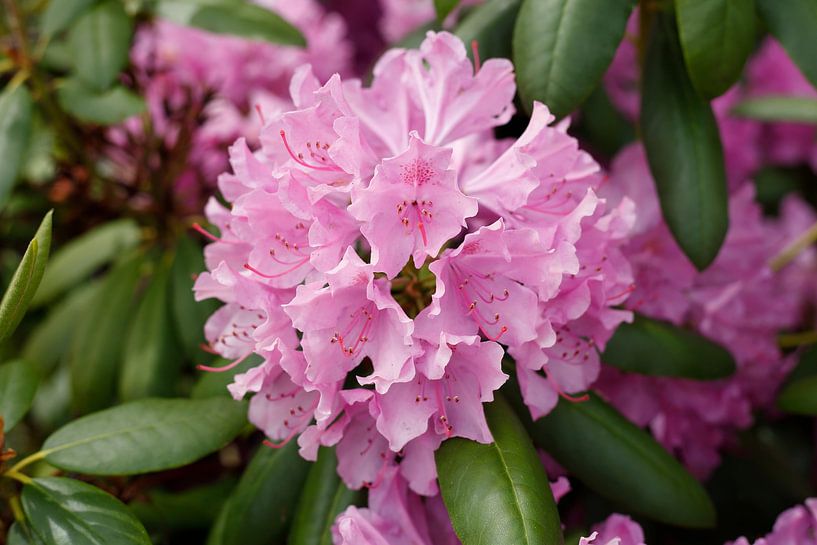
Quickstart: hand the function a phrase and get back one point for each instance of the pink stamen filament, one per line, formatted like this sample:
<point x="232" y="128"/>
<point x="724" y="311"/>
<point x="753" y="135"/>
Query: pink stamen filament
<point x="198" y="228"/>
<point x="362" y="313"/>
<point x="223" y="368"/>
<point x="299" y="157"/>
<point x="630" y="289"/>
<point x="475" y="51"/>
<point x="260" y="114"/>
<point x="283" y="443"/>
<point x="277" y="275"/>
<point x="443" y="414"/>
<point x="571" y="398"/>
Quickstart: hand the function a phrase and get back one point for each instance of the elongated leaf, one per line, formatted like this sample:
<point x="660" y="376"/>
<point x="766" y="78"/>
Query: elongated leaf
<point x="144" y="436"/>
<point x="684" y="149"/>
<point x="324" y="497"/>
<point x="21" y="535"/>
<point x="101" y="107"/>
<point x="59" y="14"/>
<point x="15" y="129"/>
<point x="95" y="355"/>
<point x="26" y="278"/>
<point x="18" y="384"/>
<point x="189" y="315"/>
<point x="65" y="511"/>
<point x="498" y="494"/>
<point x="561" y="49"/>
<point x="259" y="510"/>
<point x="99" y="42"/>
<point x="653" y="347"/>
<point x="622" y="462"/>
<point x="192" y="508"/>
<point x="779" y="108"/>
<point x="717" y="37"/>
<point x="490" y="25"/>
<point x="76" y="261"/>
<point x="444" y="7"/>
<point x="234" y="17"/>
<point x="602" y="126"/>
<point x="152" y="360"/>
<point x="793" y="22"/>
<point x="799" y="396"/>
<point x="52" y="404"/>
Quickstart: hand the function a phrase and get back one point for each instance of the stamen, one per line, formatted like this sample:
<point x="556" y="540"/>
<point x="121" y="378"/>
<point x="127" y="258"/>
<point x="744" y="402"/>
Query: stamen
<point x="260" y="114"/>
<point x="198" y="228"/>
<point x="277" y="275"/>
<point x="223" y="368"/>
<point x="475" y="51"/>
<point x="270" y="444"/>
<point x="299" y="157"/>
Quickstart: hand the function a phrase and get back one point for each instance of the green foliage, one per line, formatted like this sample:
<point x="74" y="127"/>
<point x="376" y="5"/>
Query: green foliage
<point x="99" y="42"/>
<point x="778" y="108"/>
<point x="793" y="22"/>
<point x="490" y="25"/>
<point x="18" y="384"/>
<point x="16" y="112"/>
<point x="107" y="107"/>
<point x="444" y="7"/>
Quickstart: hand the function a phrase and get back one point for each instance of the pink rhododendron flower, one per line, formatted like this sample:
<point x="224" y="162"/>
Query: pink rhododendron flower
<point x="797" y="525"/>
<point x="615" y="530"/>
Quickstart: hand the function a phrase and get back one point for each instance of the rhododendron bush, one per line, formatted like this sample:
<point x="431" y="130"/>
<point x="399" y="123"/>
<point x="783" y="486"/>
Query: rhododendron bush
<point x="408" y="272"/>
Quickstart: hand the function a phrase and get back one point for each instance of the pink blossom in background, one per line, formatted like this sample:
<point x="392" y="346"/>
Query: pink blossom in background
<point x="615" y="530"/>
<point x="402" y="17"/>
<point x="795" y="526"/>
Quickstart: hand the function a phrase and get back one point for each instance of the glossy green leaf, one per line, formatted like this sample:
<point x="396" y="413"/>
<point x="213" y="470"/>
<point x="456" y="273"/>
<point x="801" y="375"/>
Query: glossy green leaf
<point x="717" y="36"/>
<point x="793" y="22"/>
<point x="75" y="261"/>
<point x="490" y="25"/>
<point x="444" y="7"/>
<point x="323" y="498"/>
<point x="498" y="494"/>
<point x="96" y="352"/>
<point x="683" y="149"/>
<point x="20" y="535"/>
<point x="16" y="112"/>
<point x="233" y="17"/>
<point x="654" y="347"/>
<point x="622" y="462"/>
<point x="59" y="14"/>
<point x="64" y="511"/>
<point x="189" y="315"/>
<point x="193" y="508"/>
<point x="602" y="125"/>
<point x="106" y="107"/>
<point x="52" y="404"/>
<point x="99" y="41"/>
<point x="26" y="278"/>
<point x="152" y="359"/>
<point x="18" y="384"/>
<point x="561" y="49"/>
<point x="799" y="396"/>
<point x="146" y="435"/>
<point x="778" y="108"/>
<point x="261" y="507"/>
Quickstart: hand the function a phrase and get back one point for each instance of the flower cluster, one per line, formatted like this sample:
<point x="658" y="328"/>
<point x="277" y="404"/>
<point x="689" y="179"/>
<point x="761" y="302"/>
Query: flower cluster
<point x="382" y="250"/>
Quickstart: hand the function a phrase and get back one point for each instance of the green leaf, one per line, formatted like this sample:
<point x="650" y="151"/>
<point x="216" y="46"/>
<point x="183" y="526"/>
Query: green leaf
<point x="260" y="508"/>
<point x="193" y="508"/>
<point x="490" y="25"/>
<point x="78" y="259"/>
<point x="65" y="511"/>
<point x="323" y="498"/>
<point x="602" y="125"/>
<point x="189" y="315"/>
<point x="99" y="42"/>
<point x="799" y="396"/>
<point x="52" y="404"/>
<point x="683" y="149"/>
<point x="793" y="22"/>
<point x="106" y="107"/>
<point x="26" y="278"/>
<point x="444" y="8"/>
<point x="622" y="462"/>
<point x="654" y="347"/>
<point x="778" y="108"/>
<point x="59" y="14"/>
<point x="561" y="49"/>
<point x="152" y="360"/>
<point x="717" y="37"/>
<point x="96" y="351"/>
<point x="16" y="111"/>
<point x="21" y="535"/>
<point x="146" y="435"/>
<point x="233" y="17"/>
<point x="18" y="384"/>
<point x="498" y="494"/>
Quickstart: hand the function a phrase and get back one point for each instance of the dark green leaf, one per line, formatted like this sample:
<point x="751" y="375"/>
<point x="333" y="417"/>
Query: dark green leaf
<point x="39" y="165"/>
<point x="15" y="129"/>
<point x="65" y="511"/>
<point x="152" y="360"/>
<point x="799" y="396"/>
<point x="806" y="366"/>
<point x="793" y="22"/>
<point x="75" y="262"/>
<point x="52" y="404"/>
<point x="498" y="494"/>
<point x="717" y="37"/>
<point x="18" y="384"/>
<point x="99" y="43"/>
<point x="96" y="352"/>
<point x="779" y="108"/>
<point x="622" y="462"/>
<point x="101" y="107"/>
<point x="323" y="498"/>
<point x="192" y="508"/>
<point x="561" y="49"/>
<point x="684" y="149"/>
<point x="653" y="347"/>
<point x="260" y="508"/>
<point x="189" y="315"/>
<point x="444" y="7"/>
<point x="59" y="14"/>
<point x="602" y="125"/>
<point x="26" y="278"/>
<point x="144" y="436"/>
<point x="490" y="25"/>
<point x="234" y="17"/>
<point x="20" y="535"/>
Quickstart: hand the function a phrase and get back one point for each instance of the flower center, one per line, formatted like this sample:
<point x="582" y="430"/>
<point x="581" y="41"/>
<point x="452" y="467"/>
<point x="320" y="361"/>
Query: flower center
<point x="415" y="215"/>
<point x="356" y="333"/>
<point x="477" y="293"/>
